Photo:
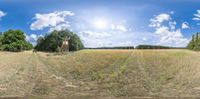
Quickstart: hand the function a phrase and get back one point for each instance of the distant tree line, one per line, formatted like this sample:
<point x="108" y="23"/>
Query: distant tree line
<point x="156" y="47"/>
<point x="140" y="47"/>
<point x="151" y="47"/>
<point x="194" y="44"/>
<point x="119" y="47"/>
<point x="14" y="40"/>
<point x="52" y="41"/>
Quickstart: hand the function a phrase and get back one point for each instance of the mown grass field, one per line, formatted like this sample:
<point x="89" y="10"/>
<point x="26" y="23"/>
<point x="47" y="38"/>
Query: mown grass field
<point x="101" y="73"/>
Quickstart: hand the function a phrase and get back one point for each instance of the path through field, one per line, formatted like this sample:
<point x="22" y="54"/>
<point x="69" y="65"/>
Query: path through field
<point x="100" y="73"/>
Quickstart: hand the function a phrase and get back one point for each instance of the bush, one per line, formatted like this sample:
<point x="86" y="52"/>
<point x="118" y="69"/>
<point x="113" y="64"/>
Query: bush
<point x="53" y="41"/>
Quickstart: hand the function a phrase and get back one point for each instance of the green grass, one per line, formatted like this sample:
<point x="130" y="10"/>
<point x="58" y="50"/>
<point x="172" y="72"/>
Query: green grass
<point x="101" y="73"/>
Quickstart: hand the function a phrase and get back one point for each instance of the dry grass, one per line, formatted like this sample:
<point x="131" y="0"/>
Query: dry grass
<point x="102" y="73"/>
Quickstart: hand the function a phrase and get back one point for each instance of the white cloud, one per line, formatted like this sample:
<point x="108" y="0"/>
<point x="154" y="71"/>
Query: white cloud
<point x="170" y="37"/>
<point x="32" y="38"/>
<point x="59" y="27"/>
<point x="197" y="16"/>
<point x="2" y="14"/>
<point x="117" y="34"/>
<point x="185" y="25"/>
<point x="159" y="19"/>
<point x="172" y="25"/>
<point x="167" y="34"/>
<point x="55" y="20"/>
<point x="107" y="38"/>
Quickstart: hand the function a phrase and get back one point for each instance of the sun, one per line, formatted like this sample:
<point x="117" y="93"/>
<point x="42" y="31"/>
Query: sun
<point x="100" y="23"/>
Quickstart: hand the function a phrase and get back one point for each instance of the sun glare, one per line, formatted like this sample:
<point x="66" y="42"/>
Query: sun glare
<point x="100" y="23"/>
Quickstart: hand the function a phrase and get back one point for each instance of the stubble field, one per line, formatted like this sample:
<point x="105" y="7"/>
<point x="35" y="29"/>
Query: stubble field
<point x="100" y="73"/>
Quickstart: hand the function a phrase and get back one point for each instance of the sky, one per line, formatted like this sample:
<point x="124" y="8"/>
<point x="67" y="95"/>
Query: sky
<point x="106" y="23"/>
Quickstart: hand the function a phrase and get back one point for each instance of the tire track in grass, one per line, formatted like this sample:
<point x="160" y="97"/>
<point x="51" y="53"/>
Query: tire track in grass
<point x="47" y="83"/>
<point x="41" y="75"/>
<point x="20" y="77"/>
<point x="28" y="75"/>
<point x="116" y="85"/>
<point x="149" y="83"/>
<point x="117" y="67"/>
<point x="123" y="65"/>
<point x="32" y="75"/>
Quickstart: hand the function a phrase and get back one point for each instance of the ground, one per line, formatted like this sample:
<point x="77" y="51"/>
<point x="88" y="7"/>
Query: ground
<point x="100" y="73"/>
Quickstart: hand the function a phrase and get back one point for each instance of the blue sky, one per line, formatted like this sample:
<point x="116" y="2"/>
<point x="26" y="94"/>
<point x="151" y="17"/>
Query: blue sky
<point x="106" y="22"/>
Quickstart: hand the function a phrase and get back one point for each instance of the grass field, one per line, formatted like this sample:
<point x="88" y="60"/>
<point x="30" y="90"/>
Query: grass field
<point x="101" y="73"/>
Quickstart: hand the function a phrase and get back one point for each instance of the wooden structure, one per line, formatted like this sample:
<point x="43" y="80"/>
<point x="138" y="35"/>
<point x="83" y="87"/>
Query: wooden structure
<point x="65" y="45"/>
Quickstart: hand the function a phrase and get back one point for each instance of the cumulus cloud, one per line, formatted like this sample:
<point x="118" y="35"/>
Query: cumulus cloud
<point x="172" y="25"/>
<point x="107" y="38"/>
<point x="159" y="19"/>
<point x="116" y="34"/>
<point x="2" y="14"/>
<point x="96" y="39"/>
<point x="55" y="20"/>
<point x="185" y="25"/>
<point x="197" y="16"/>
<point x="167" y="34"/>
<point x="170" y="37"/>
<point x="59" y="27"/>
<point x="32" y="38"/>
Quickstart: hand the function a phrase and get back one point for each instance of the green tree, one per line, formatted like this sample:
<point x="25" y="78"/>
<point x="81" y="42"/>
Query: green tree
<point x="14" y="40"/>
<point x="191" y="44"/>
<point x="75" y="43"/>
<point x="52" y="41"/>
<point x="194" y="44"/>
<point x="1" y="37"/>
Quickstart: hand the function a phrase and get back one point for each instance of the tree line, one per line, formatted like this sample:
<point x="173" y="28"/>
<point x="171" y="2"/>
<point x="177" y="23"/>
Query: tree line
<point x="157" y="47"/>
<point x="119" y="47"/>
<point x="15" y="41"/>
<point x="139" y="47"/>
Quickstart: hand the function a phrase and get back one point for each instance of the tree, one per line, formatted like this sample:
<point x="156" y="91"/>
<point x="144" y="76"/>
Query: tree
<point x="1" y="37"/>
<point x="14" y="40"/>
<point x="75" y="43"/>
<point x="194" y="44"/>
<point x="53" y="41"/>
<point x="191" y="44"/>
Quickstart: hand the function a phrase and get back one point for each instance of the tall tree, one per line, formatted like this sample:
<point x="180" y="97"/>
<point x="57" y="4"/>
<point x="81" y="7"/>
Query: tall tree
<point x="191" y="44"/>
<point x="194" y="44"/>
